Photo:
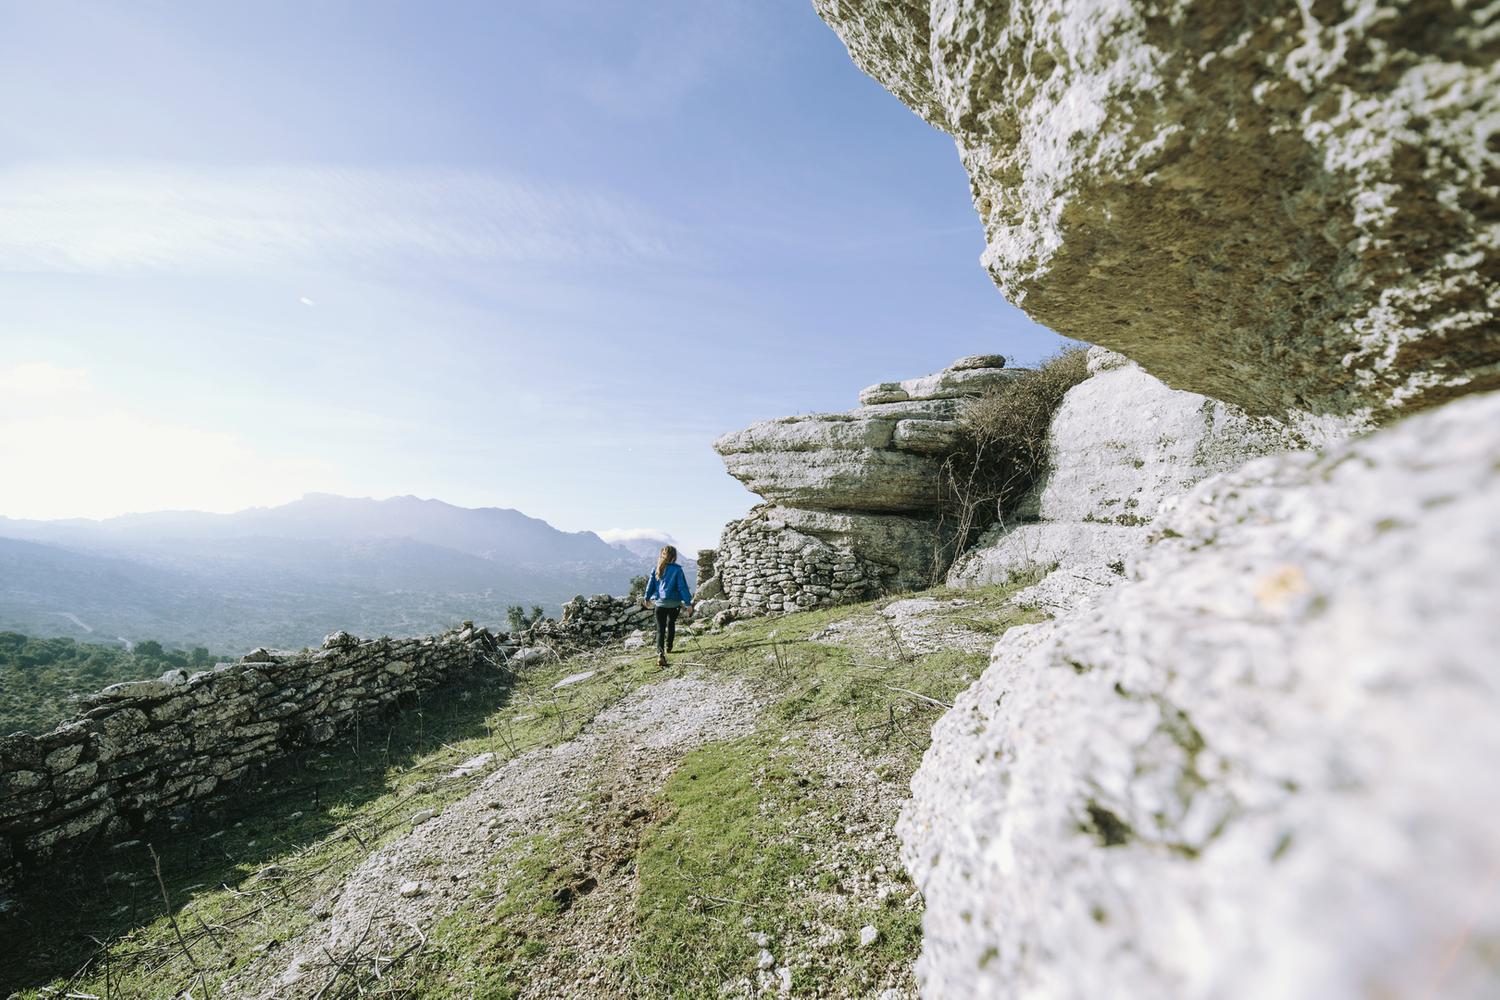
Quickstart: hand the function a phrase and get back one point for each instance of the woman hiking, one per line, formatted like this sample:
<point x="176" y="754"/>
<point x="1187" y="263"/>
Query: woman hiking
<point x="668" y="591"/>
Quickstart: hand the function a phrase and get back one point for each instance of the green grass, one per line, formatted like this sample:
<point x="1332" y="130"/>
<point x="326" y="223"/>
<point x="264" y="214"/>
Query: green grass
<point x="484" y="949"/>
<point x="722" y="843"/>
<point x="717" y="858"/>
<point x="314" y="816"/>
<point x="729" y="860"/>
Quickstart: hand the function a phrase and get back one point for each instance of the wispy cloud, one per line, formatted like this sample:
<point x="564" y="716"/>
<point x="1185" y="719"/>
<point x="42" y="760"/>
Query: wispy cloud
<point x="620" y="535"/>
<point x="150" y="216"/>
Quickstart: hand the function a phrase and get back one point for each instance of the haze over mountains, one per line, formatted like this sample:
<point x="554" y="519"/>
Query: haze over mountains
<point x="288" y="575"/>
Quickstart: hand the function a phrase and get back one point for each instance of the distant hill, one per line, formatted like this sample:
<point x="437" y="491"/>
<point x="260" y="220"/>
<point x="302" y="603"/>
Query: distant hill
<point x="288" y="575"/>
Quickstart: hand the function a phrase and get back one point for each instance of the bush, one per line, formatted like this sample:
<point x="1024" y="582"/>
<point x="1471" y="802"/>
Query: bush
<point x="1004" y="450"/>
<point x="637" y="588"/>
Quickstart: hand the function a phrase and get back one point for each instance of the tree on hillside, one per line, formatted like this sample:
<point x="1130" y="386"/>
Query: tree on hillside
<point x="637" y="588"/>
<point x="39" y="675"/>
<point x="520" y="621"/>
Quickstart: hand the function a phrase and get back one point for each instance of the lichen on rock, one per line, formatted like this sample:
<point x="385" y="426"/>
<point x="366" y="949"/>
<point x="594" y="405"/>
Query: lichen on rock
<point x="1120" y="444"/>
<point x="1259" y="768"/>
<point x="1285" y="206"/>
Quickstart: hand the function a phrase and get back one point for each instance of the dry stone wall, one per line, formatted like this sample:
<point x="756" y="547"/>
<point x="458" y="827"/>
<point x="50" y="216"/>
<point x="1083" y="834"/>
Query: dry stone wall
<point x="145" y="750"/>
<point x="770" y="566"/>
<point x="595" y="620"/>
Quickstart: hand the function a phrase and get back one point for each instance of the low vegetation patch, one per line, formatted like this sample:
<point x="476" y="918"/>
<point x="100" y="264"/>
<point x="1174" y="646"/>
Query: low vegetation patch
<point x="39" y="676"/>
<point x="1004" y="449"/>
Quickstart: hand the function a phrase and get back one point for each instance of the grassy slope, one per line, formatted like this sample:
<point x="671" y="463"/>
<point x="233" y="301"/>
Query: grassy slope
<point x="733" y="842"/>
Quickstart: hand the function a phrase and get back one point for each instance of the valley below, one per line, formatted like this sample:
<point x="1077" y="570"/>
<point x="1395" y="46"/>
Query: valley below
<point x="287" y="576"/>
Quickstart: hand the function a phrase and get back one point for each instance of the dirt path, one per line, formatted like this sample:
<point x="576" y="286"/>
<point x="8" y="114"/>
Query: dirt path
<point x="918" y="625"/>
<point x="615" y="766"/>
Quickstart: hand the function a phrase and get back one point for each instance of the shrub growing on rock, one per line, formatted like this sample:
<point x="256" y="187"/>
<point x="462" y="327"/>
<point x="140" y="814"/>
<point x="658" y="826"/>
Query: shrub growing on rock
<point x="1003" y="450"/>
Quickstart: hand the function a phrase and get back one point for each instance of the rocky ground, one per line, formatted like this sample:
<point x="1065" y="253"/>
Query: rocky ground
<point x="596" y="827"/>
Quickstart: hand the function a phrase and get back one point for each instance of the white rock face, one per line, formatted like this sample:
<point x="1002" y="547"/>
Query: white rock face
<point x="1284" y="205"/>
<point x="1120" y="444"/>
<point x="1263" y="767"/>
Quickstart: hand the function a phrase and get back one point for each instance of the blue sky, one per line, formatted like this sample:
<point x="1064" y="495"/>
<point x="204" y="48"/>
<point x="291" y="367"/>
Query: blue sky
<point x="525" y="255"/>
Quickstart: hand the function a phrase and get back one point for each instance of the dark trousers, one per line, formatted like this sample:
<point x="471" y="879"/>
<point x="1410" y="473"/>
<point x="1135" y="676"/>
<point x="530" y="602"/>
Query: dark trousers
<point x="666" y="628"/>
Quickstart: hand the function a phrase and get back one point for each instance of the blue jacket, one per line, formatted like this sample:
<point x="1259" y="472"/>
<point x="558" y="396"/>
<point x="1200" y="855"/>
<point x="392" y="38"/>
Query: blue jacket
<point x="672" y="586"/>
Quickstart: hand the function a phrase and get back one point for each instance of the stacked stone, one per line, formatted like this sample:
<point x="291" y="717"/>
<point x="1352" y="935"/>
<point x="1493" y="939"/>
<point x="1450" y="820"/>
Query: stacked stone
<point x="770" y="567"/>
<point x="854" y="498"/>
<point x="600" y="619"/>
<point x="143" y="750"/>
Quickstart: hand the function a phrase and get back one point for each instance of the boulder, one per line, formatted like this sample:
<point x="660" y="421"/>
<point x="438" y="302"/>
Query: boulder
<point x="876" y="478"/>
<point x="973" y="361"/>
<point x="1263" y="766"/>
<point x="1285" y="206"/>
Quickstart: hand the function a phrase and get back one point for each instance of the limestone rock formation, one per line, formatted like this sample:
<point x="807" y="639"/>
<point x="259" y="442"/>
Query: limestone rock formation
<point x="852" y="497"/>
<point x="1120" y="444"/>
<point x="883" y="457"/>
<point x="1283" y="206"/>
<point x="1262" y="767"/>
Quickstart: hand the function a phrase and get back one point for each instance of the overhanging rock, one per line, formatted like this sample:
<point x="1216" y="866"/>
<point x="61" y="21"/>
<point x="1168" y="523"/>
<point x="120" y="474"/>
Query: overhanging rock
<point x="1281" y="205"/>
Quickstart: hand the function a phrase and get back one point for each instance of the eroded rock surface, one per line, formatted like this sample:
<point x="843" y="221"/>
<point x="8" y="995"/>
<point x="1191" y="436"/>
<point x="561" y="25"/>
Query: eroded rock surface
<point x="1120" y="444"/>
<point x="853" y="497"/>
<point x="1283" y="206"/>
<point x="1262" y="767"/>
<point x="883" y="457"/>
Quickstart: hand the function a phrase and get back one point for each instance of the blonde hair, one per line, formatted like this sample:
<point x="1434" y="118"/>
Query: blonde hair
<point x="668" y="555"/>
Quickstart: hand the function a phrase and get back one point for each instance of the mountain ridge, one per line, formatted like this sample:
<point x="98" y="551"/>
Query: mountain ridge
<point x="291" y="573"/>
